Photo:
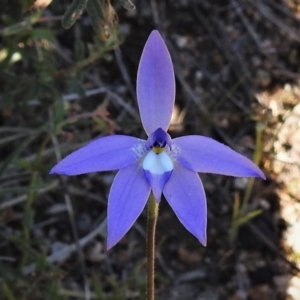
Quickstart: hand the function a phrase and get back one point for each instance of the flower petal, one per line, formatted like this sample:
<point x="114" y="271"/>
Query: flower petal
<point x="203" y="154"/>
<point x="185" y="194"/>
<point x="127" y="199"/>
<point x="157" y="169"/>
<point x="155" y="84"/>
<point x="104" y="154"/>
<point x="158" y="139"/>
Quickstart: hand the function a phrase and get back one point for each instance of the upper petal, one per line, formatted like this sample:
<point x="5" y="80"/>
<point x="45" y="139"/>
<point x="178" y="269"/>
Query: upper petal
<point x="185" y="194"/>
<point x="155" y="84"/>
<point x="104" y="154"/>
<point x="202" y="154"/>
<point x="127" y="199"/>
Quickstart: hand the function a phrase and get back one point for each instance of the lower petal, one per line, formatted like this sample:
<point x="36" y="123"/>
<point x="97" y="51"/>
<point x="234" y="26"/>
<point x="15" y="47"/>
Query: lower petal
<point x="158" y="168"/>
<point x="127" y="198"/>
<point x="185" y="194"/>
<point x="157" y="183"/>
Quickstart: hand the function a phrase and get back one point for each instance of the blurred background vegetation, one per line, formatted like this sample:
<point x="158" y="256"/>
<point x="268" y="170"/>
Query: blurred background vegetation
<point x="68" y="74"/>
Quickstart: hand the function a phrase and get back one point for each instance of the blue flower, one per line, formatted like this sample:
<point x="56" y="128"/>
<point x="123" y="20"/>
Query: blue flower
<point x="159" y="164"/>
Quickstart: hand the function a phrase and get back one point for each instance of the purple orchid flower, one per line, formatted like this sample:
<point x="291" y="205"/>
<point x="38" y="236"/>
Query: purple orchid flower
<point x="161" y="164"/>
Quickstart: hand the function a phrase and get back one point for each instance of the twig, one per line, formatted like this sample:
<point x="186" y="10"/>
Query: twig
<point x="265" y="11"/>
<point x="47" y="152"/>
<point x="188" y="90"/>
<point x="255" y="231"/>
<point x="64" y="253"/>
<point x="178" y="71"/>
<point x="124" y="72"/>
<point x="246" y="23"/>
<point x="14" y="176"/>
<point x="87" y="291"/>
<point x="79" y="294"/>
<point x="155" y="14"/>
<point x="15" y="129"/>
<point x="45" y="19"/>
<point x="80" y="192"/>
<point x="240" y="69"/>
<point x="23" y="198"/>
<point x="68" y="202"/>
<point x="114" y="96"/>
<point x="283" y="8"/>
<point x="12" y="137"/>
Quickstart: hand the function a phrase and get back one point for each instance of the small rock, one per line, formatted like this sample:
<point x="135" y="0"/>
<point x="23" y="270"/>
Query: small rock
<point x="199" y="76"/>
<point x="95" y="253"/>
<point x="181" y="41"/>
<point x="262" y="78"/>
<point x="57" y="209"/>
<point x="294" y="288"/>
<point x="189" y="257"/>
<point x="261" y="292"/>
<point x="240" y="183"/>
<point x="57" y="246"/>
<point x="84" y="222"/>
<point x="281" y="282"/>
<point x="256" y="61"/>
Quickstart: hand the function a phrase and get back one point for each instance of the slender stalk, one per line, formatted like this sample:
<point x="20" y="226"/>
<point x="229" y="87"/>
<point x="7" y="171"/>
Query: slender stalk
<point x="256" y="158"/>
<point x="151" y="225"/>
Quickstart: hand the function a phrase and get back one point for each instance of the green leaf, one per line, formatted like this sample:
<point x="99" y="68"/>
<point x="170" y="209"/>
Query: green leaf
<point x="23" y="26"/>
<point x="79" y="50"/>
<point x="73" y="13"/>
<point x="95" y="13"/>
<point x="103" y="18"/>
<point x="7" y="292"/>
<point x="14" y="155"/>
<point x="77" y="87"/>
<point x="41" y="262"/>
<point x="59" y="111"/>
<point x="29" y="218"/>
<point x="7" y="272"/>
<point x="248" y="217"/>
<point x="42" y="33"/>
<point x="96" y="284"/>
<point x="21" y="189"/>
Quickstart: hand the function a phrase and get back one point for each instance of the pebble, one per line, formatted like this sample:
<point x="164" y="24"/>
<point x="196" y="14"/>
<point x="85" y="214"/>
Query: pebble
<point x="262" y="78"/>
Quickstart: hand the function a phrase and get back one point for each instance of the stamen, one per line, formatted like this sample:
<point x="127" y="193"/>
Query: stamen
<point x="158" y="139"/>
<point x="158" y="150"/>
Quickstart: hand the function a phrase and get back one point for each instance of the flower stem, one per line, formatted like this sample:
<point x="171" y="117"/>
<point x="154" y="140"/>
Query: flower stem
<point x="151" y="225"/>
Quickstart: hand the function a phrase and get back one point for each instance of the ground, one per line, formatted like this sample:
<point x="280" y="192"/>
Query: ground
<point x="237" y="75"/>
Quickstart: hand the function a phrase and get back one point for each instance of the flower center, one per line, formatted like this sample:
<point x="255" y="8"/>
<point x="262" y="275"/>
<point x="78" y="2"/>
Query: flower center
<point x="157" y="163"/>
<point x="158" y="148"/>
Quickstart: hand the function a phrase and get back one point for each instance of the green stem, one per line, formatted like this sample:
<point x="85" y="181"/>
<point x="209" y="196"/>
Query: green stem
<point x="256" y="158"/>
<point x="151" y="225"/>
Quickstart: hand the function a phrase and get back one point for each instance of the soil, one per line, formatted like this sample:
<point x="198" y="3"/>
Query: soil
<point x="237" y="75"/>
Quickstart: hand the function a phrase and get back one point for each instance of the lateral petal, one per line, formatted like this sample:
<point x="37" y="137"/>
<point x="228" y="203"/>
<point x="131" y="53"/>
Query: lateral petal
<point x="155" y="84"/>
<point x="103" y="154"/>
<point x="203" y="154"/>
<point x="127" y="199"/>
<point x="185" y="194"/>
